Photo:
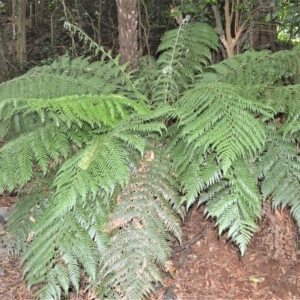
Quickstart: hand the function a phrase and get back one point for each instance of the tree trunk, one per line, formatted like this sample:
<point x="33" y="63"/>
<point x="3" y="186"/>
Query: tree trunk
<point x="233" y="26"/>
<point x="39" y="12"/>
<point x="3" y="65"/>
<point x="263" y="34"/>
<point x="127" y="18"/>
<point x="19" y="28"/>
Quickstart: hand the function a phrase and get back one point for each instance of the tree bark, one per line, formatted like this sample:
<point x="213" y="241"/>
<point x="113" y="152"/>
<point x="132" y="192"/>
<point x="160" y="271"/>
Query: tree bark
<point x="231" y="15"/>
<point x="19" y="28"/>
<point x="3" y="65"/>
<point x="263" y="34"/>
<point x="127" y="18"/>
<point x="39" y="12"/>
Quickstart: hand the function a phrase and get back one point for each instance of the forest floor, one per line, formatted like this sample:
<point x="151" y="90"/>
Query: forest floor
<point x="206" y="267"/>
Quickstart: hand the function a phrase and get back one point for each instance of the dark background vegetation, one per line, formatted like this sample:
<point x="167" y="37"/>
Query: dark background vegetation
<point x="32" y="31"/>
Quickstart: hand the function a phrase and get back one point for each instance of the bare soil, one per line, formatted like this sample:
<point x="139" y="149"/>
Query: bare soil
<point x="208" y="267"/>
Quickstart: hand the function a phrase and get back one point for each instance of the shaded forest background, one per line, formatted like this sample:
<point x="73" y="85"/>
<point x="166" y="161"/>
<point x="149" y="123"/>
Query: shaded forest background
<point x="32" y="31"/>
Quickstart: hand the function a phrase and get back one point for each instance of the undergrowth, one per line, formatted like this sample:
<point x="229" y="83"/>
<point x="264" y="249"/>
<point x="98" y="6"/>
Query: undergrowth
<point x="107" y="162"/>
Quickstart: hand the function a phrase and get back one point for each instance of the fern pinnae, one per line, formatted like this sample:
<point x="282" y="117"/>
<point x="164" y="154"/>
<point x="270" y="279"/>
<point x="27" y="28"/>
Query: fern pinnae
<point x="180" y="62"/>
<point x="64" y="280"/>
<point x="39" y="146"/>
<point x="146" y="224"/>
<point x="50" y="82"/>
<point x="51" y="291"/>
<point x="257" y="67"/>
<point x="9" y="178"/>
<point x="72" y="265"/>
<point x="64" y="240"/>
<point x="88" y="157"/>
<point x="220" y="125"/>
<point x="45" y="254"/>
<point x="41" y="153"/>
<point x="236" y="203"/>
<point x="289" y="97"/>
<point x="199" y="176"/>
<point x="183" y="23"/>
<point x="87" y="255"/>
<point x="280" y="168"/>
<point x="134" y="141"/>
<point x="93" y="45"/>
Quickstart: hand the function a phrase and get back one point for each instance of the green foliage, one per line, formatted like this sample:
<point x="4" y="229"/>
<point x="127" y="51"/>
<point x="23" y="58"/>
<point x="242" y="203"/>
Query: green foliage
<point x="237" y="126"/>
<point x="255" y="68"/>
<point x="141" y="227"/>
<point x="63" y="246"/>
<point x="280" y="170"/>
<point x="64" y="78"/>
<point x="235" y="203"/>
<point x="184" y="52"/>
<point x="223" y="121"/>
<point x="106" y="162"/>
<point x="85" y="146"/>
<point x="287" y="17"/>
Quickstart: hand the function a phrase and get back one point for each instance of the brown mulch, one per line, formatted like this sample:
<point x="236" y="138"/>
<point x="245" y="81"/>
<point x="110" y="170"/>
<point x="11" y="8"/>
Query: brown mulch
<point x="207" y="267"/>
<point x="211" y="268"/>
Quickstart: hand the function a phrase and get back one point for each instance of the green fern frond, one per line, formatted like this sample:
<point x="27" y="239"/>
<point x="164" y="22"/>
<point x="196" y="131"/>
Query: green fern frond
<point x="29" y="208"/>
<point x="147" y="74"/>
<point x="55" y="257"/>
<point x="80" y="178"/>
<point x="217" y="117"/>
<point x="126" y="78"/>
<point x="279" y="167"/>
<point x="18" y="156"/>
<point x="280" y="171"/>
<point x="94" y="110"/>
<point x="68" y="77"/>
<point x="141" y="224"/>
<point x="286" y="100"/>
<point x="64" y="77"/>
<point x="285" y="104"/>
<point x="193" y="44"/>
<point x="252" y="68"/>
<point x="199" y="175"/>
<point x="184" y="53"/>
<point x="13" y="123"/>
<point x="237" y="205"/>
<point x="51" y="291"/>
<point x="99" y="168"/>
<point x="74" y="112"/>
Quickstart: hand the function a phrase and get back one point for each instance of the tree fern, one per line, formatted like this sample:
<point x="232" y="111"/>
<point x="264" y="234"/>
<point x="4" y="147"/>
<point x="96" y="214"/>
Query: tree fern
<point x="141" y="227"/>
<point x="100" y="157"/>
<point x="67" y="235"/>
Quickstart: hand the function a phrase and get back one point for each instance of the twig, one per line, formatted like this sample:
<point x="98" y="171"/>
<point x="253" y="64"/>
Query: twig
<point x="192" y="242"/>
